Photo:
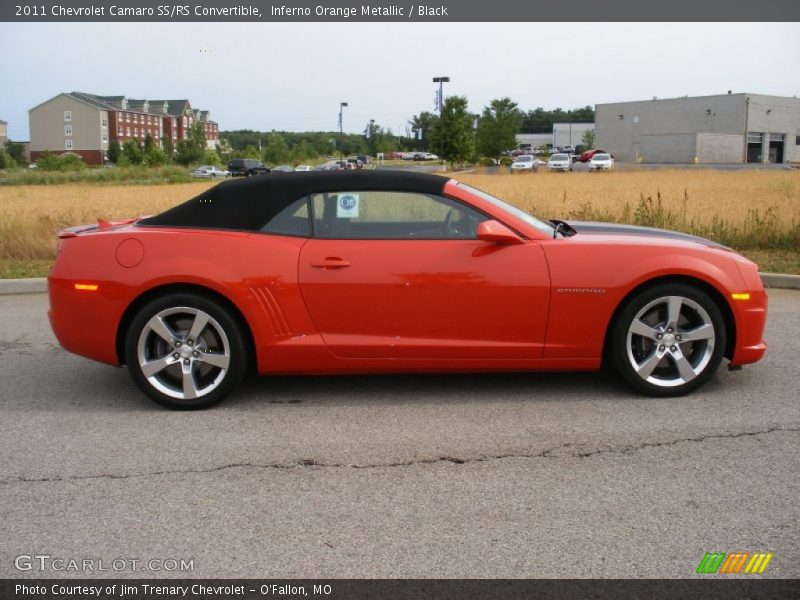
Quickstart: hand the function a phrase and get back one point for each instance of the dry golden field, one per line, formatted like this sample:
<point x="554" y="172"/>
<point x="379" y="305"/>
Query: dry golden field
<point x="703" y="196"/>
<point x="757" y="212"/>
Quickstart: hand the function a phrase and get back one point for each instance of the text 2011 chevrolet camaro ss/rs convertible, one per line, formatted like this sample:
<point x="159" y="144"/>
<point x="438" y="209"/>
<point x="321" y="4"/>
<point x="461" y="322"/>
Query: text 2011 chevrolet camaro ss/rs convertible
<point x="365" y="272"/>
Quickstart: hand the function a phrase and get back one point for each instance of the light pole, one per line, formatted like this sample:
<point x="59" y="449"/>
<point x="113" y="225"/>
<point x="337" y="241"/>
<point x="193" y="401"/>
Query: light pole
<point x="441" y="80"/>
<point x="370" y="143"/>
<point x="341" y="129"/>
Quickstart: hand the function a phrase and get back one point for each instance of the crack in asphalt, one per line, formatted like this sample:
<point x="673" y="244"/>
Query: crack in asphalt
<point x="550" y="453"/>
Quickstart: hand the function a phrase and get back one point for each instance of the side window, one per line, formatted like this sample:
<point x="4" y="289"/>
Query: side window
<point x="292" y="220"/>
<point x="392" y="216"/>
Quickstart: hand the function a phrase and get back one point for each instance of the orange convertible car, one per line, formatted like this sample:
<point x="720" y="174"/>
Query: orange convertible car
<point x="357" y="272"/>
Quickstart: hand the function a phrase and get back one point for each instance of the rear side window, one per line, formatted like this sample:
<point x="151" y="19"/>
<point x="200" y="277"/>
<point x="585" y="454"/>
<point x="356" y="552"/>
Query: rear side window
<point x="392" y="215"/>
<point x="294" y="220"/>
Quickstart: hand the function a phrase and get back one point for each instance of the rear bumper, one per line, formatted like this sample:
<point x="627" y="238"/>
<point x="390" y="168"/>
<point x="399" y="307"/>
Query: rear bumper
<point x="84" y="322"/>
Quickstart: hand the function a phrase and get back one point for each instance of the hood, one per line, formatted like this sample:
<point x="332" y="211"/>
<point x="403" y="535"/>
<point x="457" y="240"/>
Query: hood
<point x="599" y="228"/>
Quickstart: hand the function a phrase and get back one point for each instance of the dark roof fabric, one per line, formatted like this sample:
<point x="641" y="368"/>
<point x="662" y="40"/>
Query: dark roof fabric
<point x="250" y="203"/>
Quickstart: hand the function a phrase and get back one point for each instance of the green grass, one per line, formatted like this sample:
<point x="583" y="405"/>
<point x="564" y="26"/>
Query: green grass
<point x="140" y="175"/>
<point x="22" y="269"/>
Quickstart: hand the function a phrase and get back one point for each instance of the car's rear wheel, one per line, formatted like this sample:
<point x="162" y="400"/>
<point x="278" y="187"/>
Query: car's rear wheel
<point x="185" y="351"/>
<point x="668" y="340"/>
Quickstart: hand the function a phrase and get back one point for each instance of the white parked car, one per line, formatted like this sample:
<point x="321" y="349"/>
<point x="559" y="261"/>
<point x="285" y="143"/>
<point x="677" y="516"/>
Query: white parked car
<point x="601" y="162"/>
<point x="430" y="156"/>
<point x="304" y="168"/>
<point x="209" y="172"/>
<point x="525" y="163"/>
<point x="559" y="162"/>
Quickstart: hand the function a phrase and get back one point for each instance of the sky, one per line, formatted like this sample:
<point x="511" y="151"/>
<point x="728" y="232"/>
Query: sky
<point x="268" y="76"/>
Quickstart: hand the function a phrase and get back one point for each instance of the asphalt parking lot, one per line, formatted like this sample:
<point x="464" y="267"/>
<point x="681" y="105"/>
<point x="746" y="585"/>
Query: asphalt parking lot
<point x="530" y="475"/>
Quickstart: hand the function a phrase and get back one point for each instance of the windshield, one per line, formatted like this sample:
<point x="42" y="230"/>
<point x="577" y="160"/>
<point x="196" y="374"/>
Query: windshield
<point x="601" y="157"/>
<point x="524" y="159"/>
<point x="559" y="157"/>
<point x="513" y="210"/>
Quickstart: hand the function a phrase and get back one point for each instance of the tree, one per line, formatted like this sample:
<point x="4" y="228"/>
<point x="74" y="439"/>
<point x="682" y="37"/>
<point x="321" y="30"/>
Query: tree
<point x="210" y="157"/>
<point x="276" y="151"/>
<point x="377" y="139"/>
<point x="6" y="160"/>
<point x="498" y="127"/>
<point x="132" y="152"/>
<point x="588" y="139"/>
<point x="191" y="149"/>
<point x="541" y="120"/>
<point x="16" y="150"/>
<point x="153" y="155"/>
<point x="114" y="151"/>
<point x="452" y="135"/>
<point x="168" y="147"/>
<point x="424" y="122"/>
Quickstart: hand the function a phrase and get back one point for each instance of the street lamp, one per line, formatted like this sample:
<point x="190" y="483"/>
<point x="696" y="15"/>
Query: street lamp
<point x="441" y="80"/>
<point x="341" y="129"/>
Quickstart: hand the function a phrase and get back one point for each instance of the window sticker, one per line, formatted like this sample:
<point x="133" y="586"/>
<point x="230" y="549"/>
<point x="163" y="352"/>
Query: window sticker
<point x="347" y="206"/>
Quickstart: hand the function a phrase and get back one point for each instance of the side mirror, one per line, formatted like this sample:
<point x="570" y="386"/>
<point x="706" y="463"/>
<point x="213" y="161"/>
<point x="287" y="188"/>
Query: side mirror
<point x="494" y="231"/>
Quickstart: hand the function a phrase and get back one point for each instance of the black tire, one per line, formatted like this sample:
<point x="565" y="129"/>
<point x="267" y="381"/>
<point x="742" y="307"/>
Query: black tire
<point x="220" y="339"/>
<point x="655" y="356"/>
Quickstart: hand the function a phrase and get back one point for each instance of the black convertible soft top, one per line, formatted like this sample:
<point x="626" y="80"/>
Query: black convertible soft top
<point x="251" y="202"/>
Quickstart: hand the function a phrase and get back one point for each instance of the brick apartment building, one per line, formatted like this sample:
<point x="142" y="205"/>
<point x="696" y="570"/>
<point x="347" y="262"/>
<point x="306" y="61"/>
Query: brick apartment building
<point x="86" y="124"/>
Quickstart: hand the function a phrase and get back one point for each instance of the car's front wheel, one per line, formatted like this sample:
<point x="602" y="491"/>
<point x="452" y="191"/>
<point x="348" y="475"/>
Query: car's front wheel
<point x="185" y="351"/>
<point x="668" y="340"/>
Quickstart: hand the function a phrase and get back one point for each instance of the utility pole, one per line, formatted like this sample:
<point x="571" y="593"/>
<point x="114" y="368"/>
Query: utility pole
<point x="441" y="80"/>
<point x="341" y="129"/>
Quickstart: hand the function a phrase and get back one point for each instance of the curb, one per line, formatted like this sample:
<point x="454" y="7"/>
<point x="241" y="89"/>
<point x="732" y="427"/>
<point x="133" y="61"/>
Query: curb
<point x="781" y="280"/>
<point x="38" y="285"/>
<point x="33" y="285"/>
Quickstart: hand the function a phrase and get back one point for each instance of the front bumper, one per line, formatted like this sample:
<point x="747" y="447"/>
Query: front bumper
<point x="751" y="318"/>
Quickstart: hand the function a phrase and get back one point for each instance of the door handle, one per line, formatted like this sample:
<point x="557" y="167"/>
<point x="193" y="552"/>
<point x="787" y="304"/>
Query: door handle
<point x="331" y="263"/>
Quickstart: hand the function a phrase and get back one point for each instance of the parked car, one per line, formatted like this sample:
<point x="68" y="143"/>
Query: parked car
<point x="430" y="156"/>
<point x="587" y="156"/>
<point x="282" y="169"/>
<point x="601" y="162"/>
<point x="304" y="168"/>
<point x="559" y="162"/>
<point x="452" y="289"/>
<point x="245" y="167"/>
<point x="525" y="163"/>
<point x="331" y="165"/>
<point x="209" y="172"/>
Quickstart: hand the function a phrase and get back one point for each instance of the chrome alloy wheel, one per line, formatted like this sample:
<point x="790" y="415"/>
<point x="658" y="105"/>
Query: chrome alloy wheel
<point x="670" y="341"/>
<point x="183" y="352"/>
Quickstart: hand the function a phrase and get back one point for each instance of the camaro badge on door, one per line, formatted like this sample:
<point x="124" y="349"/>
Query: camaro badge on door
<point x="581" y="290"/>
